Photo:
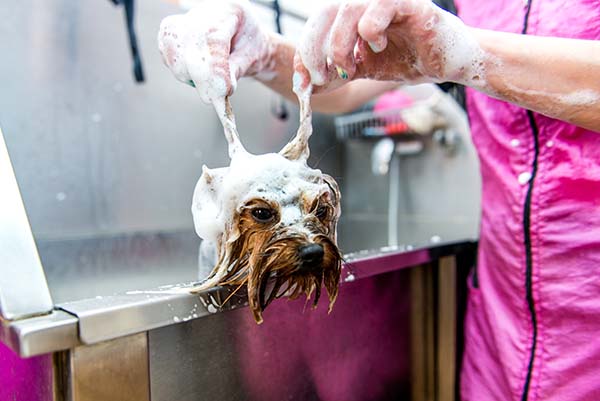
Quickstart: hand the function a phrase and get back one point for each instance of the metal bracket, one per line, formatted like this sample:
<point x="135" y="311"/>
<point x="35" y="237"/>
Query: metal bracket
<point x="23" y="288"/>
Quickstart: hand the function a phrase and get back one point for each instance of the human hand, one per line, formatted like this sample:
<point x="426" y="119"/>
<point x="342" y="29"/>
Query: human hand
<point x="409" y="41"/>
<point x="214" y="45"/>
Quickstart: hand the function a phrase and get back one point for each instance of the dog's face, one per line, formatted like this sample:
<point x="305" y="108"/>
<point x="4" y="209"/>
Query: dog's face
<point x="273" y="221"/>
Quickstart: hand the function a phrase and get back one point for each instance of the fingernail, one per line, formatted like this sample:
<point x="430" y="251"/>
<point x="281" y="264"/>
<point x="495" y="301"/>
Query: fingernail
<point x="341" y="73"/>
<point x="191" y="83"/>
<point x="375" y="47"/>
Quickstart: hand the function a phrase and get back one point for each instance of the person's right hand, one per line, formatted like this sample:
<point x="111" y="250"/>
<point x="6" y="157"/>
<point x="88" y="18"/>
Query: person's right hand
<point x="213" y="45"/>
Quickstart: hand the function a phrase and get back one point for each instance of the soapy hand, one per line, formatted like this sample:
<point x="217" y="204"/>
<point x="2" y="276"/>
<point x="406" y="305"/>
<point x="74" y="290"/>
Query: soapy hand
<point x="213" y="45"/>
<point x="409" y="41"/>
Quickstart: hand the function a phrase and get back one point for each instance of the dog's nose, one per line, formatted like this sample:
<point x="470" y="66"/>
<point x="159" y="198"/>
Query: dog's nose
<point x="311" y="255"/>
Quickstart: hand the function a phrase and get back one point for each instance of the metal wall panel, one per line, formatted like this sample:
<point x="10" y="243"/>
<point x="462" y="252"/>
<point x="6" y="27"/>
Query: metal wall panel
<point x="358" y="352"/>
<point x="96" y="154"/>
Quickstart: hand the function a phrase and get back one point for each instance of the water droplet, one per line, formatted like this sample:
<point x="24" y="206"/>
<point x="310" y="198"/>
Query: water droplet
<point x="550" y="143"/>
<point x="515" y="142"/>
<point x="176" y="318"/>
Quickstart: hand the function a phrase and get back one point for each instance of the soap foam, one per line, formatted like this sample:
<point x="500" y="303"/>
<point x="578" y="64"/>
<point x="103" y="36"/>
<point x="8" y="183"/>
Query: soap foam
<point x="213" y="45"/>
<point x="585" y="97"/>
<point x="270" y="176"/>
<point x="461" y="57"/>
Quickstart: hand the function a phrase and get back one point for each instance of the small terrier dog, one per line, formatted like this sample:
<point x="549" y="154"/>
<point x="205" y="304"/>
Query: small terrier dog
<point x="268" y="221"/>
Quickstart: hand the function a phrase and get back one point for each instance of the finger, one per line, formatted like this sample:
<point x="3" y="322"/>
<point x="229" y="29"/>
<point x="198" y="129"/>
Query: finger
<point x="374" y="23"/>
<point x="302" y="79"/>
<point x="343" y="37"/>
<point x="218" y="45"/>
<point x="312" y="48"/>
<point x="207" y="55"/>
<point x="248" y="56"/>
<point x="170" y="42"/>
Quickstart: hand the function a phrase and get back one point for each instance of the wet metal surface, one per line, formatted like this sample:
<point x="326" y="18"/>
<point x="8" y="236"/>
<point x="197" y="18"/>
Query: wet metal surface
<point x="40" y="335"/>
<point x="358" y="352"/>
<point x="107" y="317"/>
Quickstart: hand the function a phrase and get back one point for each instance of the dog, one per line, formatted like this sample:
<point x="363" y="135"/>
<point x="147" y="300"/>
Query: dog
<point x="268" y="221"/>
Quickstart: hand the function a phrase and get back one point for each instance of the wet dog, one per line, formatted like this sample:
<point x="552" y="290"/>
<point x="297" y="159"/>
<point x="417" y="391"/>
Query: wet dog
<point x="268" y="222"/>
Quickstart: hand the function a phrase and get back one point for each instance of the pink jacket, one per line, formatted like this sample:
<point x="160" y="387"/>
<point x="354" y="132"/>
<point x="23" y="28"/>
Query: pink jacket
<point x="533" y="318"/>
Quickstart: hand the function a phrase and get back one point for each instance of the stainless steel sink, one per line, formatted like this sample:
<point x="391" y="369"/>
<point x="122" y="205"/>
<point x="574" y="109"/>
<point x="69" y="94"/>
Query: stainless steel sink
<point x="106" y="169"/>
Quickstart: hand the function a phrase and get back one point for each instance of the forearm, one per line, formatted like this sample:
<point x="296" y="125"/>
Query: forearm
<point x="279" y="76"/>
<point x="556" y="77"/>
<point x="343" y="99"/>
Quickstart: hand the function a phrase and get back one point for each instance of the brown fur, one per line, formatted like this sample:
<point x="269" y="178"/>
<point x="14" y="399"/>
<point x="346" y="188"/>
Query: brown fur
<point x="264" y="256"/>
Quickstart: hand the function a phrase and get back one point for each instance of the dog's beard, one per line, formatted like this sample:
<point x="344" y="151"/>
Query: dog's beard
<point x="269" y="265"/>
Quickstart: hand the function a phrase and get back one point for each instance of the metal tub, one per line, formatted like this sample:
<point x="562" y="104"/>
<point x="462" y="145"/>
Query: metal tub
<point x="97" y="181"/>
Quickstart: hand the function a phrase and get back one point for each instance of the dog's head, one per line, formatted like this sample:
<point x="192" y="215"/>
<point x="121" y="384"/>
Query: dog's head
<point x="273" y="221"/>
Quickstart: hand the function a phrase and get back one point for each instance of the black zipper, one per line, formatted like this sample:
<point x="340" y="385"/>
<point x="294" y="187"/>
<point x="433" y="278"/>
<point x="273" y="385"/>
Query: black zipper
<point x="527" y="235"/>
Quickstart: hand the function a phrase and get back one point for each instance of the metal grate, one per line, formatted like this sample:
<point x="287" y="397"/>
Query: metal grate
<point x="421" y="118"/>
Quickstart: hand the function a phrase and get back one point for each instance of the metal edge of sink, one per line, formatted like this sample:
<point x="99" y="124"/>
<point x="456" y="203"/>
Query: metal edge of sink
<point x="94" y="320"/>
<point x="55" y="331"/>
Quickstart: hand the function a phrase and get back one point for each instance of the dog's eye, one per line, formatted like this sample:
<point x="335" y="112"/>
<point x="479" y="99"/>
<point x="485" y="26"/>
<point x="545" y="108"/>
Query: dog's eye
<point x="262" y="215"/>
<point x="321" y="212"/>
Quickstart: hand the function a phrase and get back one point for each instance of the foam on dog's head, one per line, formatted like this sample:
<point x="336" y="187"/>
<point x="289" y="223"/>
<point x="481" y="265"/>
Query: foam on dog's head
<point x="281" y="177"/>
<point x="222" y="192"/>
<point x="253" y="252"/>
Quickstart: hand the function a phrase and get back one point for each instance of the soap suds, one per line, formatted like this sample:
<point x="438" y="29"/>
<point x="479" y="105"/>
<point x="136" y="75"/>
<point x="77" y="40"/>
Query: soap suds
<point x="454" y="55"/>
<point x="222" y="192"/>
<point x="585" y="97"/>
<point x="270" y="176"/>
<point x="282" y="178"/>
<point x="555" y="103"/>
<point x="210" y="47"/>
<point x="464" y="60"/>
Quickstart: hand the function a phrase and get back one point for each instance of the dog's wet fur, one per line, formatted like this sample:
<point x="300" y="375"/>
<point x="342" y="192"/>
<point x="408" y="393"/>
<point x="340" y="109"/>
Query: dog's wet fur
<point x="278" y="237"/>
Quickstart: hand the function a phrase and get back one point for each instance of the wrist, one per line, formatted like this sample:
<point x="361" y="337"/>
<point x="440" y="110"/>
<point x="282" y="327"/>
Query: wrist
<point x="464" y="57"/>
<point x="277" y="55"/>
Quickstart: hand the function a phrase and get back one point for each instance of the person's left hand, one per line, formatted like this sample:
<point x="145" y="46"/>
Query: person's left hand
<point x="409" y="41"/>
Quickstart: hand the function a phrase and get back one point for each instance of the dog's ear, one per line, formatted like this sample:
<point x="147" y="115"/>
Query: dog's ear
<point x="335" y="199"/>
<point x="335" y="190"/>
<point x="207" y="205"/>
<point x="297" y="148"/>
<point x="225" y="113"/>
